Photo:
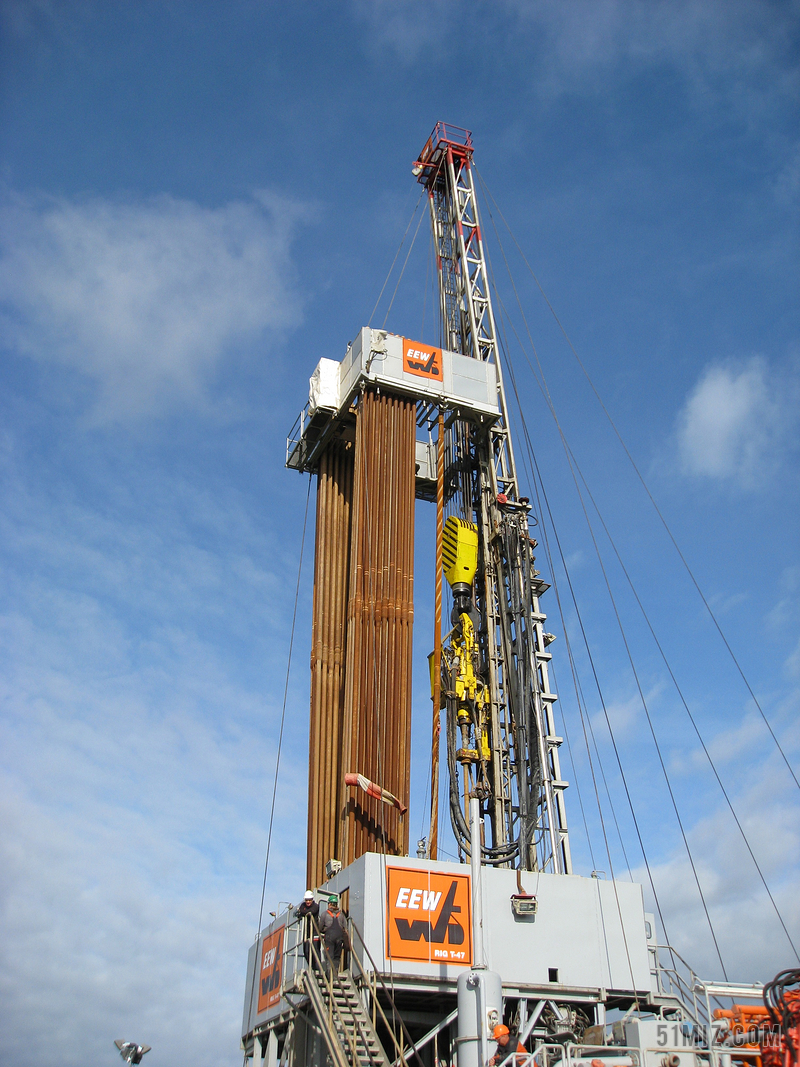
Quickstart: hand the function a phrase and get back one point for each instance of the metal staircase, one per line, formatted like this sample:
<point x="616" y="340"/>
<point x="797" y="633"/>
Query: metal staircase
<point x="346" y="1026"/>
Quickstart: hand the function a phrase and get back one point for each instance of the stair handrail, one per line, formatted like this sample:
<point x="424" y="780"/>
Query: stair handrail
<point x="400" y="1049"/>
<point x="328" y="1031"/>
<point x="333" y="1007"/>
<point x="679" y="984"/>
<point x="376" y="1004"/>
<point x="364" y="1034"/>
<point x="301" y="966"/>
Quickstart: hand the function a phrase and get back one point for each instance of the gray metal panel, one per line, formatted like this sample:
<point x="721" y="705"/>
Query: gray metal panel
<point x="251" y="1016"/>
<point x="473" y="379"/>
<point x="576" y="931"/>
<point x="425" y="458"/>
<point x="250" y="992"/>
<point x="377" y="357"/>
<point x="352" y="365"/>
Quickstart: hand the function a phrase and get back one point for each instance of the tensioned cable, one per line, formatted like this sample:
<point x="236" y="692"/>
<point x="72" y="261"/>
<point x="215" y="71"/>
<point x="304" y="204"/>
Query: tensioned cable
<point x="647" y="715"/>
<point x="280" y="739"/>
<point x="584" y="718"/>
<point x="572" y="460"/>
<point x="688" y="711"/>
<point x="405" y="264"/>
<point x="575" y="775"/>
<point x="541" y="382"/>
<point x="551" y="406"/>
<point x="576" y="680"/>
<point x="646" y="488"/>
<point x="591" y="766"/>
<point x="397" y="253"/>
<point x="537" y="482"/>
<point x="605" y="783"/>
<point x="427" y="283"/>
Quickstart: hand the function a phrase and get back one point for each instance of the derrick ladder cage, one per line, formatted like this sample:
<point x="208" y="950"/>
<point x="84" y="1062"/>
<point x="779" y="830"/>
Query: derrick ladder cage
<point x="521" y="788"/>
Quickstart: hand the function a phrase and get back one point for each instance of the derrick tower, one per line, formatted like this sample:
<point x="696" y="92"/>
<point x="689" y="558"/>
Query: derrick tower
<point x="512" y="761"/>
<point x="394" y="420"/>
<point x="441" y="951"/>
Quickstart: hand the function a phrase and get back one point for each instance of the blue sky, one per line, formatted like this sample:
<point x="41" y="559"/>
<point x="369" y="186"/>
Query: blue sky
<point x="201" y="200"/>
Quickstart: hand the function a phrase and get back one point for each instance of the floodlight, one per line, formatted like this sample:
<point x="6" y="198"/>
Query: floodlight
<point x="130" y="1051"/>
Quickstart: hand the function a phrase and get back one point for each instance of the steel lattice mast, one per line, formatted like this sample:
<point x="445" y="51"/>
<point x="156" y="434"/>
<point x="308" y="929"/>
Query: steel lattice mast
<point x="520" y="783"/>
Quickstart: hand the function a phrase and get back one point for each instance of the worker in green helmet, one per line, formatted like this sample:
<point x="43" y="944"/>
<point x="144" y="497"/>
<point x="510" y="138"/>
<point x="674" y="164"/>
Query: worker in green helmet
<point x="333" y="927"/>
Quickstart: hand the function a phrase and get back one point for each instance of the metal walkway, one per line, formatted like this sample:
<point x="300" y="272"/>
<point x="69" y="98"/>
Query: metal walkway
<point x="346" y="1026"/>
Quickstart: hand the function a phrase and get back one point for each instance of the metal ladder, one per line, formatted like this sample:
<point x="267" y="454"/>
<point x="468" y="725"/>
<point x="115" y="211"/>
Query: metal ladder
<point x="345" y="1024"/>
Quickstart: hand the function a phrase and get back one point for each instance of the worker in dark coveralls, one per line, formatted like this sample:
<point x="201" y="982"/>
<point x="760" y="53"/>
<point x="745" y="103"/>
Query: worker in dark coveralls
<point x="333" y="927"/>
<point x="506" y="1042"/>
<point x="308" y="914"/>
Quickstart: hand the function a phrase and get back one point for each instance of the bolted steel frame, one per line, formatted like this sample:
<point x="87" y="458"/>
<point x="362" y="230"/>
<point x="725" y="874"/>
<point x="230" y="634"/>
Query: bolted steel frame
<point x="520" y="785"/>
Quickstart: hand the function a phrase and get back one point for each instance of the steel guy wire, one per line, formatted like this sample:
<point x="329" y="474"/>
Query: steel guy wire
<point x="578" y="682"/>
<point x="646" y="488"/>
<point x="688" y="712"/>
<point x="537" y="483"/>
<point x="280" y="741"/>
<point x="403" y="269"/>
<point x="526" y="437"/>
<point x="594" y="779"/>
<point x="624" y="639"/>
<point x="572" y="460"/>
<point x="397" y="253"/>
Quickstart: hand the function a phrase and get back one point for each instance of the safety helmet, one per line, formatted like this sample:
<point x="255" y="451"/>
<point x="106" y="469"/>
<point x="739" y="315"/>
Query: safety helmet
<point x="333" y="900"/>
<point x="500" y="1031"/>
<point x="308" y="895"/>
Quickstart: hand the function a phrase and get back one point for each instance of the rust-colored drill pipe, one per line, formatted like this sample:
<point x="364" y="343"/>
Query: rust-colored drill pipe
<point x="377" y="705"/>
<point x="331" y="574"/>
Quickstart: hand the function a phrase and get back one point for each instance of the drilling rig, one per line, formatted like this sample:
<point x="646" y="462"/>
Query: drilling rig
<point x="440" y="951"/>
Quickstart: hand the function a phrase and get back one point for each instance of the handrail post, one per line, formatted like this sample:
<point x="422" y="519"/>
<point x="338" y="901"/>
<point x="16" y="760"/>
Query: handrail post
<point x="395" y="1013"/>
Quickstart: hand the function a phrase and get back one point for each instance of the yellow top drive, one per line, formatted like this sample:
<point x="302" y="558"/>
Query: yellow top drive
<point x="459" y="550"/>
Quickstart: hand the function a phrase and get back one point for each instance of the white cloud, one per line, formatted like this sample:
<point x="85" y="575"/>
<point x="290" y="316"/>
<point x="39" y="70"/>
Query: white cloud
<point x="145" y="299"/>
<point x="787" y="184"/>
<point x="792" y="664"/>
<point x="138" y="662"/>
<point x="732" y="424"/>
<point x="405" y="26"/>
<point x="756" y="950"/>
<point x="625" y="714"/>
<point x="576" y="43"/>
<point x="736" y="35"/>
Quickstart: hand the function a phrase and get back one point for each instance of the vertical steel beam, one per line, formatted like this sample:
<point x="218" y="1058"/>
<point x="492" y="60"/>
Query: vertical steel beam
<point x="523" y="790"/>
<point x="433" y="839"/>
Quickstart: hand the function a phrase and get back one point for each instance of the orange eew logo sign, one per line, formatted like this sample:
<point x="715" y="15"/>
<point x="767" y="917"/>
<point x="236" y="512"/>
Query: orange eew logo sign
<point x="269" y="986"/>
<point x="422" y="359"/>
<point x="429" y="916"/>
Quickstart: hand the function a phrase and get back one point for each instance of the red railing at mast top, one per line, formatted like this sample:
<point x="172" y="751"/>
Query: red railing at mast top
<point x="444" y="136"/>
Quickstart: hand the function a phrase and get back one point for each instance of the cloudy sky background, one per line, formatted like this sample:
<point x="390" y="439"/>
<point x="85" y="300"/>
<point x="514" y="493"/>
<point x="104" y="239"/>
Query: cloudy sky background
<point x="198" y="202"/>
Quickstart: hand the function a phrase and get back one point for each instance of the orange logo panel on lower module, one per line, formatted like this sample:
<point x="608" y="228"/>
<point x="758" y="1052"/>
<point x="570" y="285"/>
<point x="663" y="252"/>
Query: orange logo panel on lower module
<point x="269" y="982"/>
<point x="429" y="916"/>
<point x="422" y="359"/>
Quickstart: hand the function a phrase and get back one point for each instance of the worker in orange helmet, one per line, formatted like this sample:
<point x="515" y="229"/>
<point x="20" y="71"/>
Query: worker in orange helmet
<point x="505" y="1046"/>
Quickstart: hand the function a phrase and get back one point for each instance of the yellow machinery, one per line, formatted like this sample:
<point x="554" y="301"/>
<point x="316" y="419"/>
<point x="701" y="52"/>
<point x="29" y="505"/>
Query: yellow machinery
<point x="460" y="551"/>
<point x="461" y="656"/>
